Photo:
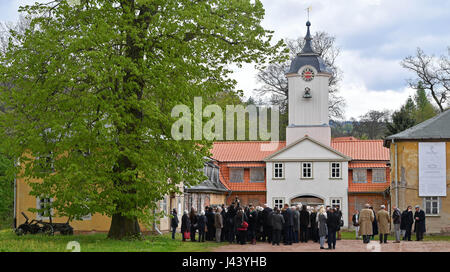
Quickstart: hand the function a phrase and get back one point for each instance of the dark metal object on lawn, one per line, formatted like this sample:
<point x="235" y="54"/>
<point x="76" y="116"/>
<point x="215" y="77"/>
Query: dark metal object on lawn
<point x="39" y="226"/>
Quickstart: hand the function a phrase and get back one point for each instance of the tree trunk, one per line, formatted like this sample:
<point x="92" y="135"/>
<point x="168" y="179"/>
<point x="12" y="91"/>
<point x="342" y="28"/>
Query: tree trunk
<point x="123" y="227"/>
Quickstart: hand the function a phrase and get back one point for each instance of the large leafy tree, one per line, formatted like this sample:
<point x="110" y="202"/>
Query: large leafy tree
<point x="6" y="192"/>
<point x="89" y="93"/>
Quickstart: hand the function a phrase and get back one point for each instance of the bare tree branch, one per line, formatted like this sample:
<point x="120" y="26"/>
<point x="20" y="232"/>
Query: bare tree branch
<point x="431" y="73"/>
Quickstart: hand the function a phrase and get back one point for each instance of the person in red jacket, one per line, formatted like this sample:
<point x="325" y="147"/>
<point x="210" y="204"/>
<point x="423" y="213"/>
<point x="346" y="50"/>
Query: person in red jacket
<point x="241" y="226"/>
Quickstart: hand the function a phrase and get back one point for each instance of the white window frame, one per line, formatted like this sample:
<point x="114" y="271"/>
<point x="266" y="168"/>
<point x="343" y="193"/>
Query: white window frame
<point x="336" y="200"/>
<point x="87" y="217"/>
<point x="278" y="202"/>
<point x="163" y="206"/>
<point x="431" y="200"/>
<point x="257" y="169"/>
<point x="353" y="175"/>
<point x="373" y="175"/>
<point x="302" y="168"/>
<point x="39" y="216"/>
<point x="339" y="168"/>
<point x="280" y="167"/>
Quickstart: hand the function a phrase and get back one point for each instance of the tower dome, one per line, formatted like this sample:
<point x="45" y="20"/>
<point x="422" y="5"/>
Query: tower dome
<point x="308" y="57"/>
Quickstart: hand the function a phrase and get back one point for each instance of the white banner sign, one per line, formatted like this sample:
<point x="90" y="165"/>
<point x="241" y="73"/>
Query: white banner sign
<point x="432" y="169"/>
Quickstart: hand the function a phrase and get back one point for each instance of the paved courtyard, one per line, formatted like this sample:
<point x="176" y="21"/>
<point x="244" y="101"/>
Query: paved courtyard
<point x="343" y="246"/>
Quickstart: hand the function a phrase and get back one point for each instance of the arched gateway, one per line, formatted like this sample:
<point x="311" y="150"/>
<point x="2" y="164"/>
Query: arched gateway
<point x="307" y="200"/>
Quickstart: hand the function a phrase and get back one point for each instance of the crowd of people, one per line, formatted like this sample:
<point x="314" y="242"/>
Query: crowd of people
<point x="369" y="223"/>
<point x="249" y="224"/>
<point x="293" y="224"/>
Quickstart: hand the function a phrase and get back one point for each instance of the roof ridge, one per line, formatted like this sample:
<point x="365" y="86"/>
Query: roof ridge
<point x="253" y="142"/>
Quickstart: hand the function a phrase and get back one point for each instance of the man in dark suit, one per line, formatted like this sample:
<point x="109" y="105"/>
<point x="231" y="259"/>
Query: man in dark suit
<point x="267" y="224"/>
<point x="333" y="221"/>
<point x="419" y="227"/>
<point x="289" y="225"/>
<point x="304" y="222"/>
<point x="407" y="220"/>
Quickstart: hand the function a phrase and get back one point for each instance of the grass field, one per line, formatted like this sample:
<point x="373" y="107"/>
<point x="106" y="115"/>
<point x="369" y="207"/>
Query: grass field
<point x="10" y="242"/>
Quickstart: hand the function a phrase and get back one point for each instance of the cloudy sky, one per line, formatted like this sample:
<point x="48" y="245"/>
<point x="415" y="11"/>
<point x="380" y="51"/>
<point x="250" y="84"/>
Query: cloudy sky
<point x="373" y="35"/>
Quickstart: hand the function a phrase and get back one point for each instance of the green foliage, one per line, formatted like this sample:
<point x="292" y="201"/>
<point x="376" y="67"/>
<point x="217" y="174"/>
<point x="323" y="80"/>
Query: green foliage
<point x="402" y="119"/>
<point x="90" y="89"/>
<point x="424" y="109"/>
<point x="6" y="192"/>
<point x="413" y="112"/>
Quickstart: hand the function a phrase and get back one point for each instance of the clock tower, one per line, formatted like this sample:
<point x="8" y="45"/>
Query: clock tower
<point x="308" y="79"/>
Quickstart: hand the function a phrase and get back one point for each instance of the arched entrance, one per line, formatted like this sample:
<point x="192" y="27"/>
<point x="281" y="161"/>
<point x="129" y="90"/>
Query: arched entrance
<point x="308" y="200"/>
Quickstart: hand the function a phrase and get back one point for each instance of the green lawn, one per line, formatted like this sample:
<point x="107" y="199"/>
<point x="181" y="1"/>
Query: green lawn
<point x="347" y="235"/>
<point x="10" y="242"/>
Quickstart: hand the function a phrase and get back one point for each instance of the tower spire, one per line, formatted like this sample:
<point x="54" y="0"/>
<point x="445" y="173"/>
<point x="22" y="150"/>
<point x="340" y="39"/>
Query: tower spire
<point x="307" y="49"/>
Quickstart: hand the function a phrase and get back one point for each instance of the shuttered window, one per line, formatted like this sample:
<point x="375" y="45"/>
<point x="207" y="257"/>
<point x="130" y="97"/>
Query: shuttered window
<point x="237" y="175"/>
<point x="359" y="175"/>
<point x="379" y="175"/>
<point x="257" y="174"/>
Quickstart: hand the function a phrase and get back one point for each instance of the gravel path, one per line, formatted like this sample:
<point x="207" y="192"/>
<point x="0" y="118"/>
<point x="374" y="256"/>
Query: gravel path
<point x="343" y="246"/>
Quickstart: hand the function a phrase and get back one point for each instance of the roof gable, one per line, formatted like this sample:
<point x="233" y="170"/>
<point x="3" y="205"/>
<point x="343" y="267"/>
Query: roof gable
<point x="307" y="148"/>
<point x="437" y="127"/>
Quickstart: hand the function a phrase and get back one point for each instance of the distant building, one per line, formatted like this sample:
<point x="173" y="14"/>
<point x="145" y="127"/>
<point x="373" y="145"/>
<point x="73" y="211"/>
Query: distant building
<point x="368" y="172"/>
<point x="309" y="168"/>
<point x="420" y="168"/>
<point x="210" y="192"/>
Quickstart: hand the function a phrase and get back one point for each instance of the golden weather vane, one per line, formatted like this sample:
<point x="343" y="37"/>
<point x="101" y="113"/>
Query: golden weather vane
<point x="308" y="9"/>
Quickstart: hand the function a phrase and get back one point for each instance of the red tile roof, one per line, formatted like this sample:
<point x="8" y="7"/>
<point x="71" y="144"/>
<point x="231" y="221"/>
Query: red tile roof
<point x="368" y="187"/>
<point x="368" y="165"/>
<point x="248" y="187"/>
<point x="246" y="164"/>
<point x="362" y="150"/>
<point x="254" y="151"/>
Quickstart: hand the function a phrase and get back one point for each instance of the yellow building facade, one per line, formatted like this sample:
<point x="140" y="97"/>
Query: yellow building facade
<point x="209" y="193"/>
<point x="93" y="223"/>
<point x="404" y="188"/>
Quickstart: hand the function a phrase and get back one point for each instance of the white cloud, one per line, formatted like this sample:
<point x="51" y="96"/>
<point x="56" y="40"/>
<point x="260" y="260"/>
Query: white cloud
<point x="361" y="100"/>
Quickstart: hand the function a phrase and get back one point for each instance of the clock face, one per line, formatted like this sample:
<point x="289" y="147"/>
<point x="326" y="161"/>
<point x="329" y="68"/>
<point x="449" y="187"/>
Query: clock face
<point x="308" y="74"/>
